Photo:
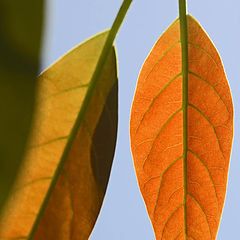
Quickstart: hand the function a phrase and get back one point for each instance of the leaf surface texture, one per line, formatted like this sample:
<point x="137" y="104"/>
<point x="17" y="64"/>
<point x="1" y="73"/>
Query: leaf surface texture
<point x="182" y="204"/>
<point x="59" y="192"/>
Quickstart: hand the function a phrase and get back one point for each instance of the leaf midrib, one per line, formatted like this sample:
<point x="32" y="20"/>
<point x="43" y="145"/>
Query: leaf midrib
<point x="93" y="83"/>
<point x="184" y="46"/>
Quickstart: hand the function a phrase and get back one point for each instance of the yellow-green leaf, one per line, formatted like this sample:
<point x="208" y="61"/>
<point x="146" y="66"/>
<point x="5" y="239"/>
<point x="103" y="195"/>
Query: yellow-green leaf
<point x="62" y="183"/>
<point x="20" y="31"/>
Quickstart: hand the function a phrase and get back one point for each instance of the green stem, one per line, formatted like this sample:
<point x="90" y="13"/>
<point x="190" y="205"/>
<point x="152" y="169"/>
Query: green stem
<point x="93" y="82"/>
<point x="117" y="22"/>
<point x="184" y="43"/>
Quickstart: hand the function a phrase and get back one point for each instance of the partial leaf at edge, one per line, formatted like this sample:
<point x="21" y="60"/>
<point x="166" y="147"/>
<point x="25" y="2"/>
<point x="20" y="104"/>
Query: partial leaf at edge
<point x="75" y="196"/>
<point x="20" y="43"/>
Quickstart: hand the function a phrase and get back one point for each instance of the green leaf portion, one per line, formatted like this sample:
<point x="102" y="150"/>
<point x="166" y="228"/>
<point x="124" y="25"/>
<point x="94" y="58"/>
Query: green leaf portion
<point x="64" y="178"/>
<point x="20" y="31"/>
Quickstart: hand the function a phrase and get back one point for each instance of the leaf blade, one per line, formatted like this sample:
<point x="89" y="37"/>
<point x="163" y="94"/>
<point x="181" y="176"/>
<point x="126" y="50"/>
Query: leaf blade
<point x="63" y="91"/>
<point x="157" y="135"/>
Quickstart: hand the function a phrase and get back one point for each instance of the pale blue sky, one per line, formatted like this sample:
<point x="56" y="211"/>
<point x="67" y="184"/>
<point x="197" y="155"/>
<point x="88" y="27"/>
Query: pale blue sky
<point x="123" y="216"/>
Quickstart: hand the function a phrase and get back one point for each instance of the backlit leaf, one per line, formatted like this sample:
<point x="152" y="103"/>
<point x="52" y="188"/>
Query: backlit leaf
<point x="62" y="183"/>
<point x="182" y="160"/>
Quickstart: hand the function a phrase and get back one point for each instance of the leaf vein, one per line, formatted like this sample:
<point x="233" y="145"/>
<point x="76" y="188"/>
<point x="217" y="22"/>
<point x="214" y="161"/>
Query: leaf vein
<point x="158" y="134"/>
<point x="161" y="58"/>
<point x="210" y="123"/>
<point x="209" y="173"/>
<point x="169" y="218"/>
<point x="214" y="89"/>
<point x="155" y="99"/>
<point x="202" y="209"/>
<point x="161" y="181"/>
<point x="48" y="142"/>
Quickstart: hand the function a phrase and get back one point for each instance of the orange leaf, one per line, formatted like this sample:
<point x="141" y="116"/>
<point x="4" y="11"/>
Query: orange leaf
<point x="184" y="193"/>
